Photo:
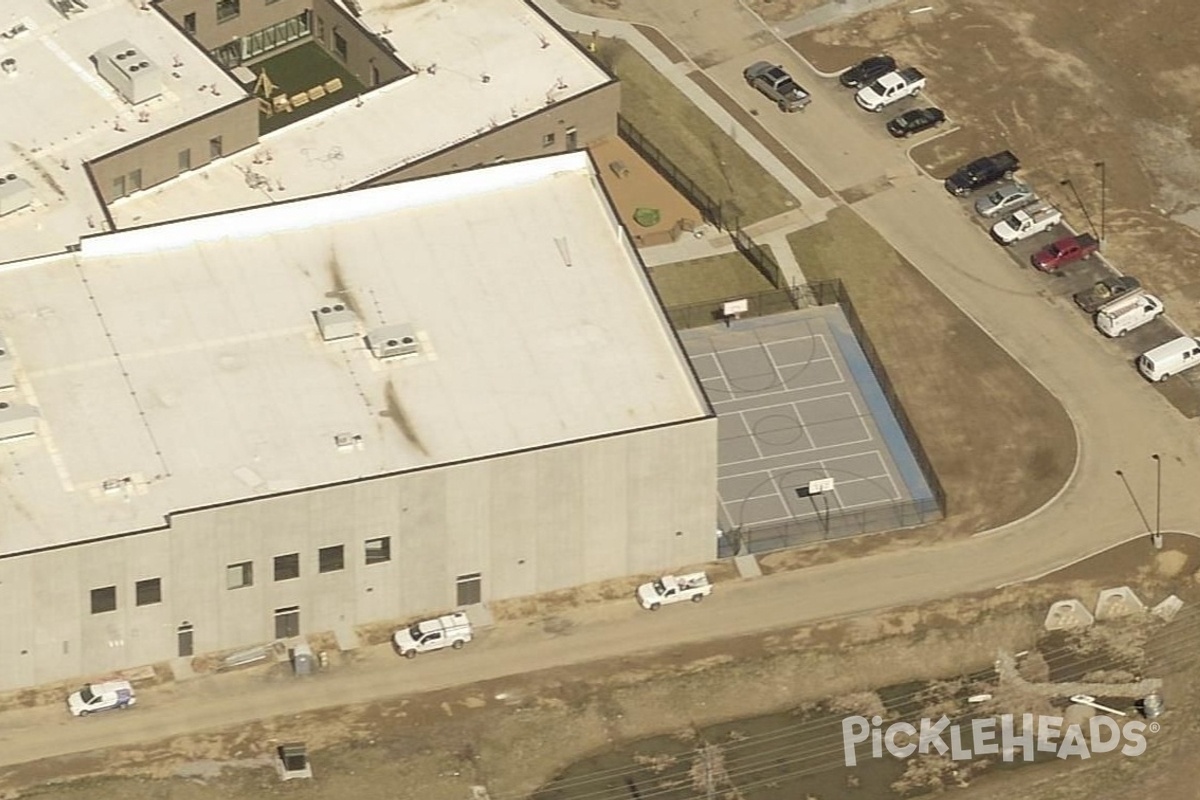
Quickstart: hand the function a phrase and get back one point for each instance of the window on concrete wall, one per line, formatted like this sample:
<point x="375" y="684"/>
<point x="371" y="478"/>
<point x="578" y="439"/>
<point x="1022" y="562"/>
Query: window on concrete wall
<point x="119" y="186"/>
<point x="287" y="567"/>
<point x="572" y="138"/>
<point x="339" y="46"/>
<point x="104" y="599"/>
<point x="287" y="622"/>
<point x="216" y="148"/>
<point x="239" y="575"/>
<point x="375" y="76"/>
<point x="378" y="550"/>
<point x="228" y="9"/>
<point x="331" y="559"/>
<point x="548" y="140"/>
<point x="189" y="23"/>
<point x="470" y="589"/>
<point x="184" y="160"/>
<point x="135" y="180"/>
<point x="321" y="30"/>
<point x="148" y="592"/>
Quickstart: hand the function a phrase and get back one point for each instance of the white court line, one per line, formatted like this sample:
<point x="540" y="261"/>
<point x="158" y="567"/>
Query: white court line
<point x="818" y="461"/>
<point x="838" y="382"/>
<point x="782" y="455"/>
<point x="761" y="345"/>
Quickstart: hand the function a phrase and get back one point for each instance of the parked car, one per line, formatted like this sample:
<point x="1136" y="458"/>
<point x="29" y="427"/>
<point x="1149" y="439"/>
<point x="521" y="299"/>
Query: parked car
<point x="1101" y="293"/>
<point x="774" y="82"/>
<point x="890" y="88"/>
<point x="982" y="172"/>
<point x="1067" y="250"/>
<point x="101" y="697"/>
<point x="915" y="121"/>
<point x="451" y="630"/>
<point x="1119" y="317"/>
<point x="1005" y="198"/>
<point x="867" y="71"/>
<point x="1169" y="359"/>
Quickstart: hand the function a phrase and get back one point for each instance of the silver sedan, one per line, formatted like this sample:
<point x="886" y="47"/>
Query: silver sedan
<point x="1004" y="198"/>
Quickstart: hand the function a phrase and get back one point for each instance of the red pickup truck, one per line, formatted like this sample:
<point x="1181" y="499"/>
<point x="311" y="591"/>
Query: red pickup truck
<point x="1055" y="256"/>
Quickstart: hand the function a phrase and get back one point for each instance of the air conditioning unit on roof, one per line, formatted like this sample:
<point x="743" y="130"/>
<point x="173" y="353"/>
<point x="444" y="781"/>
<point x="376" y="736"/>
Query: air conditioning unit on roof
<point x="15" y="193"/>
<point x="131" y="73"/>
<point x="393" y="341"/>
<point x="336" y="321"/>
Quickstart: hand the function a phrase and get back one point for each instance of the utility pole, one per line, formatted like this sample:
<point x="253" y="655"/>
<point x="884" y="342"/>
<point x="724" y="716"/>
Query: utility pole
<point x="1158" y="542"/>
<point x="1103" y="199"/>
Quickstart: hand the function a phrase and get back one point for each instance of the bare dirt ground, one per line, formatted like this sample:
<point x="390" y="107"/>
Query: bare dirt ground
<point x="1065" y="85"/>
<point x="512" y="736"/>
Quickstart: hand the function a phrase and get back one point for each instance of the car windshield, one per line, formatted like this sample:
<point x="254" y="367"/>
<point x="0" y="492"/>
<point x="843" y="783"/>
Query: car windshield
<point x="877" y="87"/>
<point x="85" y="694"/>
<point x="414" y="630"/>
<point x="995" y="198"/>
<point x="659" y="587"/>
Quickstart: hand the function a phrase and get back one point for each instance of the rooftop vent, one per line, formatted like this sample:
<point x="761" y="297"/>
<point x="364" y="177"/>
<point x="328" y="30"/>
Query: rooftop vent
<point x="6" y="367"/>
<point x="17" y="421"/>
<point x="131" y="73"/>
<point x="348" y="441"/>
<point x="336" y="321"/>
<point x="393" y="341"/>
<point x="15" y="193"/>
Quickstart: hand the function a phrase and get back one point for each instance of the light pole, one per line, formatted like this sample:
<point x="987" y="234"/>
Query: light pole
<point x="1158" y="501"/>
<point x="1104" y="201"/>
<point x="1067" y="182"/>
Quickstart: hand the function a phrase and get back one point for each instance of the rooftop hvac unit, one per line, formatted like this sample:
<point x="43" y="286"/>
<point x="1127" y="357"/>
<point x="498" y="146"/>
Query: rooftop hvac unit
<point x="131" y="73"/>
<point x="17" y="421"/>
<point x="15" y="193"/>
<point x="393" y="340"/>
<point x="336" y="321"/>
<point x="6" y="367"/>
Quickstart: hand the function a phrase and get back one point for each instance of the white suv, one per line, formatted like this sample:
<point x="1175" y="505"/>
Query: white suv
<point x="101" y="697"/>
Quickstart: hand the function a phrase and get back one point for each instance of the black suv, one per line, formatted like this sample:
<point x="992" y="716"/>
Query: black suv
<point x="867" y="71"/>
<point x="981" y="172"/>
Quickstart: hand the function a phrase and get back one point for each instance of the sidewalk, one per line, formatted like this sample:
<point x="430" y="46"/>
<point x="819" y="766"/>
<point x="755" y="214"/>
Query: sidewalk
<point x="814" y="208"/>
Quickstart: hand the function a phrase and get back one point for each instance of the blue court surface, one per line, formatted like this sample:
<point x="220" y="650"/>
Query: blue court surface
<point x="797" y="401"/>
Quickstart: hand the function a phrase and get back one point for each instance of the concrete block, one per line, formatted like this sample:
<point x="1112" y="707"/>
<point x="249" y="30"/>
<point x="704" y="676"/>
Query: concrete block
<point x="1167" y="609"/>
<point x="1067" y="615"/>
<point x="747" y="566"/>
<point x="1118" y="602"/>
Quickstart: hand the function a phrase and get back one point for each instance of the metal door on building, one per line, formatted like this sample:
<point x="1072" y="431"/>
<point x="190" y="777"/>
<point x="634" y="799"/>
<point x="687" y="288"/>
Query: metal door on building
<point x="470" y="589"/>
<point x="187" y="645"/>
<point x="287" y="622"/>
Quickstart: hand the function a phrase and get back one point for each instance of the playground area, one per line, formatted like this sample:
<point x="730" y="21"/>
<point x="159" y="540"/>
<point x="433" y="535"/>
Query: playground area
<point x="649" y="207"/>
<point x="298" y="83"/>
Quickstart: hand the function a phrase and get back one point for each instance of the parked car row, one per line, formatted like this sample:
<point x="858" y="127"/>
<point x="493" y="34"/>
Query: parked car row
<point x="1117" y="305"/>
<point x="880" y="82"/>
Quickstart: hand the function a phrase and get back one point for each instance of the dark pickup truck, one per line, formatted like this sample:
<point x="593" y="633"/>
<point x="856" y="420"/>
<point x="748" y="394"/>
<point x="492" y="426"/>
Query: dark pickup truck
<point x="1101" y="293"/>
<point x="1054" y="257"/>
<point x="982" y="172"/>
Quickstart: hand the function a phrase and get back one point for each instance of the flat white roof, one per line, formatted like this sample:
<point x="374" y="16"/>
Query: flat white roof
<point x="180" y="365"/>
<point x="57" y="112"/>
<point x="478" y="64"/>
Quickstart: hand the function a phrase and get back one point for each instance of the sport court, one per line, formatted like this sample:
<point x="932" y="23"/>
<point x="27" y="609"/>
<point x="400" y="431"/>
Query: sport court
<point x="796" y="402"/>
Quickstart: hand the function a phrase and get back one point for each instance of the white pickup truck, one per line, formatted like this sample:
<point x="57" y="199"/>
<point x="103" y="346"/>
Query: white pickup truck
<point x="894" y="86"/>
<point x="452" y="630"/>
<point x="1026" y="222"/>
<point x="674" y="589"/>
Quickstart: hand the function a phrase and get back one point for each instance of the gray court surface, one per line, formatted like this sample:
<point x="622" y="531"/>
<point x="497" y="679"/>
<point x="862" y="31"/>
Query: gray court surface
<point x="796" y="401"/>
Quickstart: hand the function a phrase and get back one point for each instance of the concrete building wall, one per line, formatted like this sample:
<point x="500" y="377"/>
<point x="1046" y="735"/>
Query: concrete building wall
<point x="592" y="116"/>
<point x="365" y="56"/>
<point x="527" y="523"/>
<point x="158" y="158"/>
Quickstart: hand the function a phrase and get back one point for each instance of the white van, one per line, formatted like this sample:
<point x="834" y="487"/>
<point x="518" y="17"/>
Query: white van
<point x="1121" y="316"/>
<point x="1169" y="359"/>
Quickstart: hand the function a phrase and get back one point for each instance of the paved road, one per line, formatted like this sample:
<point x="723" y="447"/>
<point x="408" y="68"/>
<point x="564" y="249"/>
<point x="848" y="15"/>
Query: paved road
<point x="1120" y="419"/>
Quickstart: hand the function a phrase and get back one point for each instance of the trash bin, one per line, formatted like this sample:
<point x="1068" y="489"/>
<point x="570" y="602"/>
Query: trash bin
<point x="1152" y="705"/>
<point x="303" y="660"/>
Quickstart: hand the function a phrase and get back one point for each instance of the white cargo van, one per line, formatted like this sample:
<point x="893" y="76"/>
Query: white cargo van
<point x="1169" y="359"/>
<point x="1121" y="316"/>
